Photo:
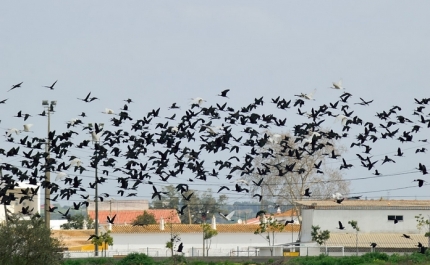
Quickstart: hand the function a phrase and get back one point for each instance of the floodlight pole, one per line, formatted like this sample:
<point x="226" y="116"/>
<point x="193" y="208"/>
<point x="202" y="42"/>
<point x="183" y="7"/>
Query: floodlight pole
<point x="49" y="107"/>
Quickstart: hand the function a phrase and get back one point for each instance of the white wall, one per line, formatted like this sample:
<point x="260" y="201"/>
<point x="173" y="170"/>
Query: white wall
<point x="369" y="221"/>
<point x="222" y="240"/>
<point x="307" y="222"/>
<point x="55" y="224"/>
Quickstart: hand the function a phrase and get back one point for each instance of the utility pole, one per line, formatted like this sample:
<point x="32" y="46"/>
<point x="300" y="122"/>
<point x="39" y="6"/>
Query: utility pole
<point x="49" y="106"/>
<point x="189" y="215"/>
<point x="96" y="201"/>
<point x="203" y="226"/>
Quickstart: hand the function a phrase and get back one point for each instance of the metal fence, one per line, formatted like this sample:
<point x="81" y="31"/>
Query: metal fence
<point x="245" y="251"/>
<point x="163" y="252"/>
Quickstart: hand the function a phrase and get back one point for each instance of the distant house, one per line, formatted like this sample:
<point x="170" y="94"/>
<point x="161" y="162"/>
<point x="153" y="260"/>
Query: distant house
<point x="126" y="217"/>
<point x="381" y="221"/>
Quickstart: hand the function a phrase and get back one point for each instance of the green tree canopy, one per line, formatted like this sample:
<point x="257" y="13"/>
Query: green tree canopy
<point x="77" y="222"/>
<point x="104" y="238"/>
<point x="319" y="236"/>
<point x="145" y="219"/>
<point x="28" y="242"/>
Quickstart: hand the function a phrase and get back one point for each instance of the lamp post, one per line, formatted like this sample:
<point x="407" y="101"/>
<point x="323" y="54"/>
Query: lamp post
<point x="96" y="201"/>
<point x="49" y="106"/>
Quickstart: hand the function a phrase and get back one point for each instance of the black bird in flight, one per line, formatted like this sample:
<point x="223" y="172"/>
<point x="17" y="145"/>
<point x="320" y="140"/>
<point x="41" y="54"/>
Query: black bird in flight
<point x="87" y="98"/>
<point x="406" y="236"/>
<point x="259" y="196"/>
<point x="52" y="86"/>
<point x="422" y="168"/>
<point x="15" y="86"/>
<point x="341" y="227"/>
<point x="260" y="213"/>
<point x="420" y="182"/>
<point x="180" y="247"/>
<point x="93" y="236"/>
<point x="181" y="211"/>
<point x="307" y="193"/>
<point x="373" y="245"/>
<point x="111" y="220"/>
<point x="289" y="222"/>
<point x="224" y="93"/>
<point x="363" y="102"/>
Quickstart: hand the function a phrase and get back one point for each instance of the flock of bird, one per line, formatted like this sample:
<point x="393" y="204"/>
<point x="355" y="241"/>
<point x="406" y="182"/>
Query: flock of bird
<point x="159" y="148"/>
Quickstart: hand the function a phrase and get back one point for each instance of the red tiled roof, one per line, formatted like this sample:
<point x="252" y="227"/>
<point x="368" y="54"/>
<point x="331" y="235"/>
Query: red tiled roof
<point x="127" y="216"/>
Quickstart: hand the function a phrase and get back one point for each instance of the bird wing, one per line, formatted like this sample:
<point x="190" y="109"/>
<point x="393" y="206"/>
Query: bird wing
<point x="230" y="215"/>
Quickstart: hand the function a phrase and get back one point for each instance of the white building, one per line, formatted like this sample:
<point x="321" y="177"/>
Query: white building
<point x="16" y="207"/>
<point x="381" y="221"/>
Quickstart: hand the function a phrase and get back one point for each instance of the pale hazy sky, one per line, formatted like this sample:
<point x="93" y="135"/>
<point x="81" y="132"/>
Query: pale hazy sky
<point x="160" y="52"/>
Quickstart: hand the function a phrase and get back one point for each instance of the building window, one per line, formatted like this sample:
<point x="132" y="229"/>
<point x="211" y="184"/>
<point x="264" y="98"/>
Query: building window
<point x="395" y="218"/>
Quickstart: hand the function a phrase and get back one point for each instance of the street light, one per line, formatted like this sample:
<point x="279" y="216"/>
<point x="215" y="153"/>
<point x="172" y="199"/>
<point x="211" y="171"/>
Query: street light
<point x="49" y="108"/>
<point x="96" y="201"/>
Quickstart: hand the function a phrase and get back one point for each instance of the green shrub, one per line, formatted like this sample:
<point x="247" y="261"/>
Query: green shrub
<point x="90" y="261"/>
<point x="136" y="259"/>
<point x="375" y="256"/>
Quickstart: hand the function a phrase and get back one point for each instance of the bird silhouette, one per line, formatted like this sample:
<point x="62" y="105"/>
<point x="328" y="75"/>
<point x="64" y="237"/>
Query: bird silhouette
<point x="111" y="220"/>
<point x="289" y="222"/>
<point x="307" y="193"/>
<point x="259" y="213"/>
<point x="420" y="182"/>
<point x="180" y="247"/>
<point x="224" y="93"/>
<point x="51" y="86"/>
<point x="15" y="86"/>
<point x="341" y="227"/>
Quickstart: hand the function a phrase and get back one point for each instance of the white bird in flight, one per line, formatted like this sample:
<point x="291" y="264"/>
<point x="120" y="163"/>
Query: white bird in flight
<point x="343" y="119"/>
<point x="275" y="138"/>
<point x="60" y="176"/>
<point x="11" y="131"/>
<point x="309" y="96"/>
<point x="214" y="129"/>
<point x="95" y="137"/>
<point x="108" y="111"/>
<point x="337" y="196"/>
<point x="197" y="101"/>
<point x="228" y="216"/>
<point x="75" y="162"/>
<point x="27" y="127"/>
<point x="338" y="85"/>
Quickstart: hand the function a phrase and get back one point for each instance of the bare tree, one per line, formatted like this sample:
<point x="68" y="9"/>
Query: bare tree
<point x="287" y="166"/>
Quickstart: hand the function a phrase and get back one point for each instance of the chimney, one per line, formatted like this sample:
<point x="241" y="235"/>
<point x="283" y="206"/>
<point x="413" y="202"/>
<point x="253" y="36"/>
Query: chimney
<point x="162" y="224"/>
<point x="213" y="222"/>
